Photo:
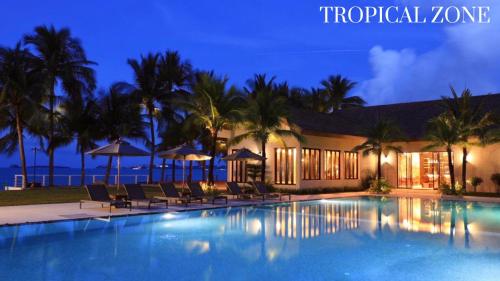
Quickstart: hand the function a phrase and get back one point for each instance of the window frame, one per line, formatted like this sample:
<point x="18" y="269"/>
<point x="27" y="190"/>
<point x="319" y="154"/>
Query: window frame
<point x="346" y="169"/>
<point x="291" y="171"/>
<point x="339" y="163"/>
<point x="238" y="167"/>
<point x="310" y="172"/>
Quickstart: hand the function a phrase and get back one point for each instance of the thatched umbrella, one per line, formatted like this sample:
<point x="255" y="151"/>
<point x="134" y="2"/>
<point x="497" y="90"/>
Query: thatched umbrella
<point x="243" y="155"/>
<point x="184" y="152"/>
<point x="118" y="148"/>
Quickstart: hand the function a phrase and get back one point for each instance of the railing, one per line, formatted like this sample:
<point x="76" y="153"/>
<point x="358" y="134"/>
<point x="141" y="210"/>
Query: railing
<point x="74" y="180"/>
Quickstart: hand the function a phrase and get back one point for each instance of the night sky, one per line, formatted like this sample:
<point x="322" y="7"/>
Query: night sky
<point x="391" y="63"/>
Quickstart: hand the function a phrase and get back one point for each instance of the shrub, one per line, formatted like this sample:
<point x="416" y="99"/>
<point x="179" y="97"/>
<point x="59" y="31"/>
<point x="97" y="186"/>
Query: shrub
<point x="475" y="182"/>
<point x="211" y="190"/>
<point x="367" y="181"/>
<point x="495" y="178"/>
<point x="380" y="186"/>
<point x="445" y="188"/>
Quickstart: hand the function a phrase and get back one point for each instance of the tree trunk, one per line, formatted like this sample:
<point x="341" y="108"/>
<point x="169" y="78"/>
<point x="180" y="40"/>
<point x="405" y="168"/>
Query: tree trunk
<point x="22" y="155"/>
<point x="213" y="150"/>
<point x="173" y="170"/>
<point x="190" y="177"/>
<point x="204" y="170"/>
<point x="51" y="136"/>
<point x="263" y="163"/>
<point x="108" y="169"/>
<point x="163" y="164"/>
<point x="379" y="165"/>
<point x="82" y="176"/>
<point x="152" y="157"/>
<point x="451" y="168"/>
<point x="464" y="168"/>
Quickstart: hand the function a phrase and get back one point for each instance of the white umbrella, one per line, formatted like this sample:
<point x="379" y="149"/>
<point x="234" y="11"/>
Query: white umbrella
<point x="184" y="152"/>
<point x="118" y="148"/>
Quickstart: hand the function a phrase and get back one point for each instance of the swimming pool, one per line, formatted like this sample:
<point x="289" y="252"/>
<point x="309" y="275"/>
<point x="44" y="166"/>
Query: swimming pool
<point x="365" y="238"/>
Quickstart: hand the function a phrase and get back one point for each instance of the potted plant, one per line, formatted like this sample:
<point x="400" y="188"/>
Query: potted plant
<point x="475" y="182"/>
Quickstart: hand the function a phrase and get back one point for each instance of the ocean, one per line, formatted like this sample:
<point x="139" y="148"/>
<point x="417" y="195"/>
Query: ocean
<point x="128" y="175"/>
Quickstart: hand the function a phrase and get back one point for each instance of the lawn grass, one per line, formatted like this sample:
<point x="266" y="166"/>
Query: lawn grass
<point x="55" y="195"/>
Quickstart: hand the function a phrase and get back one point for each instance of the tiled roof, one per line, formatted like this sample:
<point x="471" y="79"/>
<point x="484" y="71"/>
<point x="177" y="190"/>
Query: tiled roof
<point x="412" y="117"/>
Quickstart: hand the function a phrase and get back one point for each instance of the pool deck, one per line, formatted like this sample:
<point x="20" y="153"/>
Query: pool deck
<point x="67" y="211"/>
<point x="10" y="215"/>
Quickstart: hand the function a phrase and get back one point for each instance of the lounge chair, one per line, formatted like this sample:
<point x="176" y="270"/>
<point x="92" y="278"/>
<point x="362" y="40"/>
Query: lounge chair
<point x="136" y="194"/>
<point x="262" y="191"/>
<point x="197" y="193"/>
<point x="234" y="189"/>
<point x="170" y="192"/>
<point x="99" y="194"/>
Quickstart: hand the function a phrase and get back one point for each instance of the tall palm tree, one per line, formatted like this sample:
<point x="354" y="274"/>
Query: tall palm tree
<point x="175" y="76"/>
<point x="149" y="91"/>
<point x="264" y="117"/>
<point x="337" y="90"/>
<point x="443" y="131"/>
<point x="61" y="60"/>
<point x="119" y="116"/>
<point x="378" y="142"/>
<point x="19" y="98"/>
<point x="473" y="122"/>
<point x="212" y="106"/>
<point x="81" y="116"/>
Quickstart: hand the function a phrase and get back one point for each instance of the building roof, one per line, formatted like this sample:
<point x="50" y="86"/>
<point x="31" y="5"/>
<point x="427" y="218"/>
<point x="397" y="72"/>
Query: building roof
<point x="412" y="117"/>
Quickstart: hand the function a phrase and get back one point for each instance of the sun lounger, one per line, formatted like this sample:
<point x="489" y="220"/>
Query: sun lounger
<point x="99" y="194"/>
<point x="136" y="194"/>
<point x="170" y="192"/>
<point x="198" y="193"/>
<point x="262" y="191"/>
<point x="234" y="189"/>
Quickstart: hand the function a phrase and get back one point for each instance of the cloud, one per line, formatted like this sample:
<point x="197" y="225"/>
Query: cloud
<point x="468" y="57"/>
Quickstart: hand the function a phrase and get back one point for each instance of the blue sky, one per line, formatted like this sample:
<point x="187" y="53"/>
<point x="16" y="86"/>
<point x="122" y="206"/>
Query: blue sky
<point x="391" y="63"/>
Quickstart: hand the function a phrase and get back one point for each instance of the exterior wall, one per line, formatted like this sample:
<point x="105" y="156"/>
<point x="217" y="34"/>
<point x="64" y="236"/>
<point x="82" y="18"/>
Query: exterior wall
<point x="366" y="165"/>
<point x="270" y="149"/>
<point x="482" y="161"/>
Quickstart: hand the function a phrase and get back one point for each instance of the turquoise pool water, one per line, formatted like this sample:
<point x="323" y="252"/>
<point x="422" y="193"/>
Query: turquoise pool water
<point x="342" y="239"/>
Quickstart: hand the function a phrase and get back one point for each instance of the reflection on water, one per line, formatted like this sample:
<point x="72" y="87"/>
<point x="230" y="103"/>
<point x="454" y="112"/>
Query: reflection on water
<point x="268" y="242"/>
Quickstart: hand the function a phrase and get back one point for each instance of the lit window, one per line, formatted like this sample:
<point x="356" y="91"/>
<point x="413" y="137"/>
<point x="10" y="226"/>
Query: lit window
<point x="332" y="164"/>
<point x="238" y="170"/>
<point x="351" y="165"/>
<point x="284" y="165"/>
<point x="311" y="164"/>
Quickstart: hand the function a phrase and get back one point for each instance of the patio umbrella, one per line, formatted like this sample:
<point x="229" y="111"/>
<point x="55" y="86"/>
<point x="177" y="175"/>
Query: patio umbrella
<point x="184" y="152"/>
<point x="243" y="155"/>
<point x="118" y="148"/>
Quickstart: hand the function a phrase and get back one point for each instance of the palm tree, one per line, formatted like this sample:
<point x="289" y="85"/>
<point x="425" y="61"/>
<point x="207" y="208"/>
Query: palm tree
<point x="81" y="116"/>
<point x="473" y="122"/>
<point x="264" y="117"/>
<point x="61" y="60"/>
<point x="119" y="116"/>
<point x="175" y="76"/>
<point x="379" y="139"/>
<point x="337" y="90"/>
<point x="444" y="131"/>
<point x="19" y="98"/>
<point x="212" y="106"/>
<point x="317" y="100"/>
<point x="149" y="91"/>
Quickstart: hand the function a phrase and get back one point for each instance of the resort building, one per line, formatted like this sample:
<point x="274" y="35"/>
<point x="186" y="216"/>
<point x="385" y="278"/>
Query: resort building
<point x="327" y="159"/>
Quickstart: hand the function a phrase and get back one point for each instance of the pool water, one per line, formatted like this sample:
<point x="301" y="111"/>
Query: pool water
<point x="363" y="238"/>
